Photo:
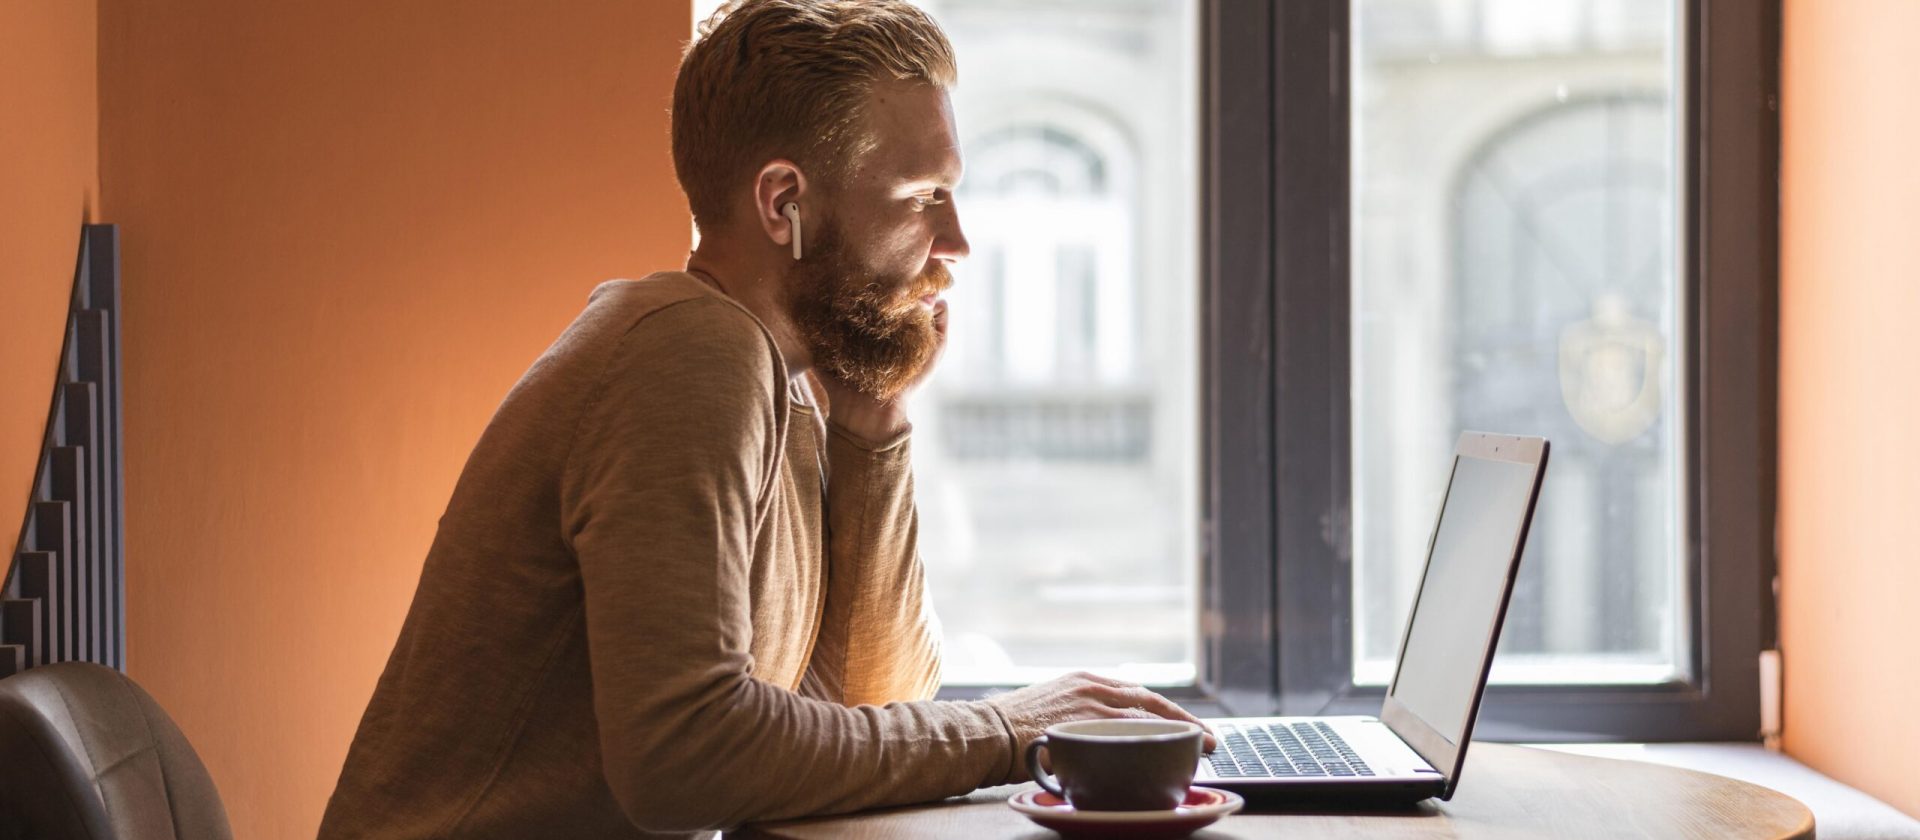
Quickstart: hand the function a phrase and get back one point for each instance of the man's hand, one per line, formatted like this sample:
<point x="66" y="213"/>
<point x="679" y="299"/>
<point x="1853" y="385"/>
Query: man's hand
<point x="873" y="419"/>
<point x="1081" y="696"/>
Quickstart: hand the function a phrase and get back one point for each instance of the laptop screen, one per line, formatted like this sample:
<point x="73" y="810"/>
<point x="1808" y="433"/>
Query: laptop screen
<point x="1459" y="602"/>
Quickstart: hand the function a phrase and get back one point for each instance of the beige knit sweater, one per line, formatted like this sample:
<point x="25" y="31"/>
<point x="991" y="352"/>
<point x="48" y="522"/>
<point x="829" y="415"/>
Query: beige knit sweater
<point x="629" y="623"/>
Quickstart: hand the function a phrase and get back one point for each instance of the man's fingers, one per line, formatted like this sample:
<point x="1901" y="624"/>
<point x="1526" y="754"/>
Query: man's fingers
<point x="1152" y="701"/>
<point x="1087" y="696"/>
<point x="1157" y="706"/>
<point x="1110" y="689"/>
<point x="1207" y="740"/>
<point x="1133" y="695"/>
<point x="1105" y="682"/>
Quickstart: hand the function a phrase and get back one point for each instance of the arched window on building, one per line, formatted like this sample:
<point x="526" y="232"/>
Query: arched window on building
<point x="1564" y="312"/>
<point x="1047" y="365"/>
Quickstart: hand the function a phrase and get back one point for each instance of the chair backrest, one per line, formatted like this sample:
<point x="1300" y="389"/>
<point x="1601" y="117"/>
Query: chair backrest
<point x="85" y="754"/>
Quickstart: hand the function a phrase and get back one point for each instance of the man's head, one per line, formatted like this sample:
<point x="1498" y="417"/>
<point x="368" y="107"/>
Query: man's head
<point x="840" y="107"/>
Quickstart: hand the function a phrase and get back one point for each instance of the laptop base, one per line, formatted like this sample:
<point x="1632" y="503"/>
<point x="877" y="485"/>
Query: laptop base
<point x="1322" y="796"/>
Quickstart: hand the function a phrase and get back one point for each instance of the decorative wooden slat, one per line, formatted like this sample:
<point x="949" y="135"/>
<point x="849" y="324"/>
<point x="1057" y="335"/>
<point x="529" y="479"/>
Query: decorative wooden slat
<point x="102" y="292"/>
<point x="70" y="485"/>
<point x="53" y="532"/>
<point x="86" y="348"/>
<point x="84" y="413"/>
<point x="35" y="578"/>
<point x="20" y="625"/>
<point x="92" y="360"/>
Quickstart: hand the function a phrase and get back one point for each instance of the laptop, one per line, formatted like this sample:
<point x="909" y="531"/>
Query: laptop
<point x="1417" y="746"/>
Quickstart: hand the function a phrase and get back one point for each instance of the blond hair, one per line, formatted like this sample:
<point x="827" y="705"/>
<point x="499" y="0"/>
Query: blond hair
<point x="791" y="78"/>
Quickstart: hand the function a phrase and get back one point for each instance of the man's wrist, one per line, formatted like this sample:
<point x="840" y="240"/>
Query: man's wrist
<point x="872" y="421"/>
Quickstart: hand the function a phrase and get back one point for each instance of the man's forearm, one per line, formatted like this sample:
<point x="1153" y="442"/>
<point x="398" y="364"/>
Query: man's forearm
<point x="750" y="751"/>
<point x="881" y="639"/>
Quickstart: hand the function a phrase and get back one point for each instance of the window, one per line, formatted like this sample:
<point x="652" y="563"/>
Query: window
<point x="1546" y="217"/>
<point x="1056" y="452"/>
<point x="1241" y="271"/>
<point x="1514" y="270"/>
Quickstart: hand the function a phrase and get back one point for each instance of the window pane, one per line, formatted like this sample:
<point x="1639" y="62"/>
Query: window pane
<point x="1056" y="450"/>
<point x="1515" y="271"/>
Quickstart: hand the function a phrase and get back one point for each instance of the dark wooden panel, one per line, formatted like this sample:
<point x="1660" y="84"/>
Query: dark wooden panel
<point x="13" y="660"/>
<point x="103" y="293"/>
<point x="89" y="346"/>
<point x="53" y="532"/>
<point x="83" y="411"/>
<point x="20" y="625"/>
<point x="35" y="577"/>
<point x="70" y="485"/>
<point x="86" y="422"/>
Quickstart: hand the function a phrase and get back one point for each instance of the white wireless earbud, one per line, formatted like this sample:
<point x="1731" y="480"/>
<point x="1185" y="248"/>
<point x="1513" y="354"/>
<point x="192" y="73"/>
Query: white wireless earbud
<point x="792" y="212"/>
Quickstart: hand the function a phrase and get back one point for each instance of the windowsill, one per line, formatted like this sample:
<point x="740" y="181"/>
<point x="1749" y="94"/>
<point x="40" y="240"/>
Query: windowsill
<point x="1548" y="670"/>
<point x="1839" y="812"/>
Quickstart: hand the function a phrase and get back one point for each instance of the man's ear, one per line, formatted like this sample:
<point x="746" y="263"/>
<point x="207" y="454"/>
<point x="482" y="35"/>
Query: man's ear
<point x="778" y="184"/>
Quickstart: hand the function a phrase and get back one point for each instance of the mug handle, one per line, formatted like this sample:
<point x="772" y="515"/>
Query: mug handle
<point x="1040" y="777"/>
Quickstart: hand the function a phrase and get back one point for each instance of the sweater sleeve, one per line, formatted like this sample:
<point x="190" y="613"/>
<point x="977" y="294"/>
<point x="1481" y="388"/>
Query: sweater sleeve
<point x="660" y="497"/>
<point x="880" y="641"/>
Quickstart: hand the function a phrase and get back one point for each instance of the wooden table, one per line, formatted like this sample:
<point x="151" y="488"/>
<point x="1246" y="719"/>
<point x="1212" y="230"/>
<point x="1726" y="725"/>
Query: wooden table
<point x="1506" y="792"/>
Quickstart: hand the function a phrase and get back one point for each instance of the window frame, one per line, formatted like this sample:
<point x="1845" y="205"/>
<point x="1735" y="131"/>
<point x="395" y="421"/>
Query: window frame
<point x="1277" y="245"/>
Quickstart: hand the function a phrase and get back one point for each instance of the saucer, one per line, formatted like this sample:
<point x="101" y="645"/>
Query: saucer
<point x="1202" y="807"/>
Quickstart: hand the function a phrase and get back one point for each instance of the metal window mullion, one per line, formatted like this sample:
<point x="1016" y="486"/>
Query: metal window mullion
<point x="1312" y="371"/>
<point x="1240" y="658"/>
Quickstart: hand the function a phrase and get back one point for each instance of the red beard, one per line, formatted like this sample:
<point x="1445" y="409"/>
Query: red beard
<point x="868" y="330"/>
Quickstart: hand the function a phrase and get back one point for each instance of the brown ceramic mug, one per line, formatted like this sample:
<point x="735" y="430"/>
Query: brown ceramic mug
<point x="1128" y="764"/>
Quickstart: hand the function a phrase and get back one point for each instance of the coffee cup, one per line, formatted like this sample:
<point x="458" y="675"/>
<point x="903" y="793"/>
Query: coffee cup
<point x="1127" y="764"/>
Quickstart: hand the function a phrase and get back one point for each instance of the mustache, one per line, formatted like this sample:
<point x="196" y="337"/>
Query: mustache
<point x="903" y="295"/>
<point x="933" y="281"/>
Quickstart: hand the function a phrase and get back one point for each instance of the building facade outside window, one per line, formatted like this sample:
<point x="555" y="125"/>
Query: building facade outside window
<point x="1515" y="222"/>
<point x="1057" y="450"/>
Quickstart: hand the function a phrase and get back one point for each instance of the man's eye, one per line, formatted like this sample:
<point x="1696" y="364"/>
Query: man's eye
<point x="922" y="202"/>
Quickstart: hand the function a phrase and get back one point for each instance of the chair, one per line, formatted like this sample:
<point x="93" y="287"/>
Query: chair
<point x="85" y="754"/>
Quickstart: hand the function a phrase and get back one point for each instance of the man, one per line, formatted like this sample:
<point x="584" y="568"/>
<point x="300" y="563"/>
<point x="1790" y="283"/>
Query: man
<point x="676" y="588"/>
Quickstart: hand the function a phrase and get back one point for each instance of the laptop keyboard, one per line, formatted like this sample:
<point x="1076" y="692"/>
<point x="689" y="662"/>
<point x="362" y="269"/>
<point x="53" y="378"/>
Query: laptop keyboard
<point x="1267" y="751"/>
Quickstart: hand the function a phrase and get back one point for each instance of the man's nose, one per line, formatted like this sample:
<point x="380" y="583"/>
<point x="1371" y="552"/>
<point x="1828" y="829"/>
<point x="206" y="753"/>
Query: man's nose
<point x="950" y="243"/>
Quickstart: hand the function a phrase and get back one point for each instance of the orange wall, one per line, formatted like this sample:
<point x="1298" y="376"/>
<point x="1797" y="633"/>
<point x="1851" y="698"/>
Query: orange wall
<point x="49" y="180"/>
<point x="347" y="227"/>
<point x="1850" y="392"/>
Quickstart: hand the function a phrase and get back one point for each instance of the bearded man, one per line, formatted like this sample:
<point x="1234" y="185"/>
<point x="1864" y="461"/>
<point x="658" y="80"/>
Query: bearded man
<point x="676" y="588"/>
